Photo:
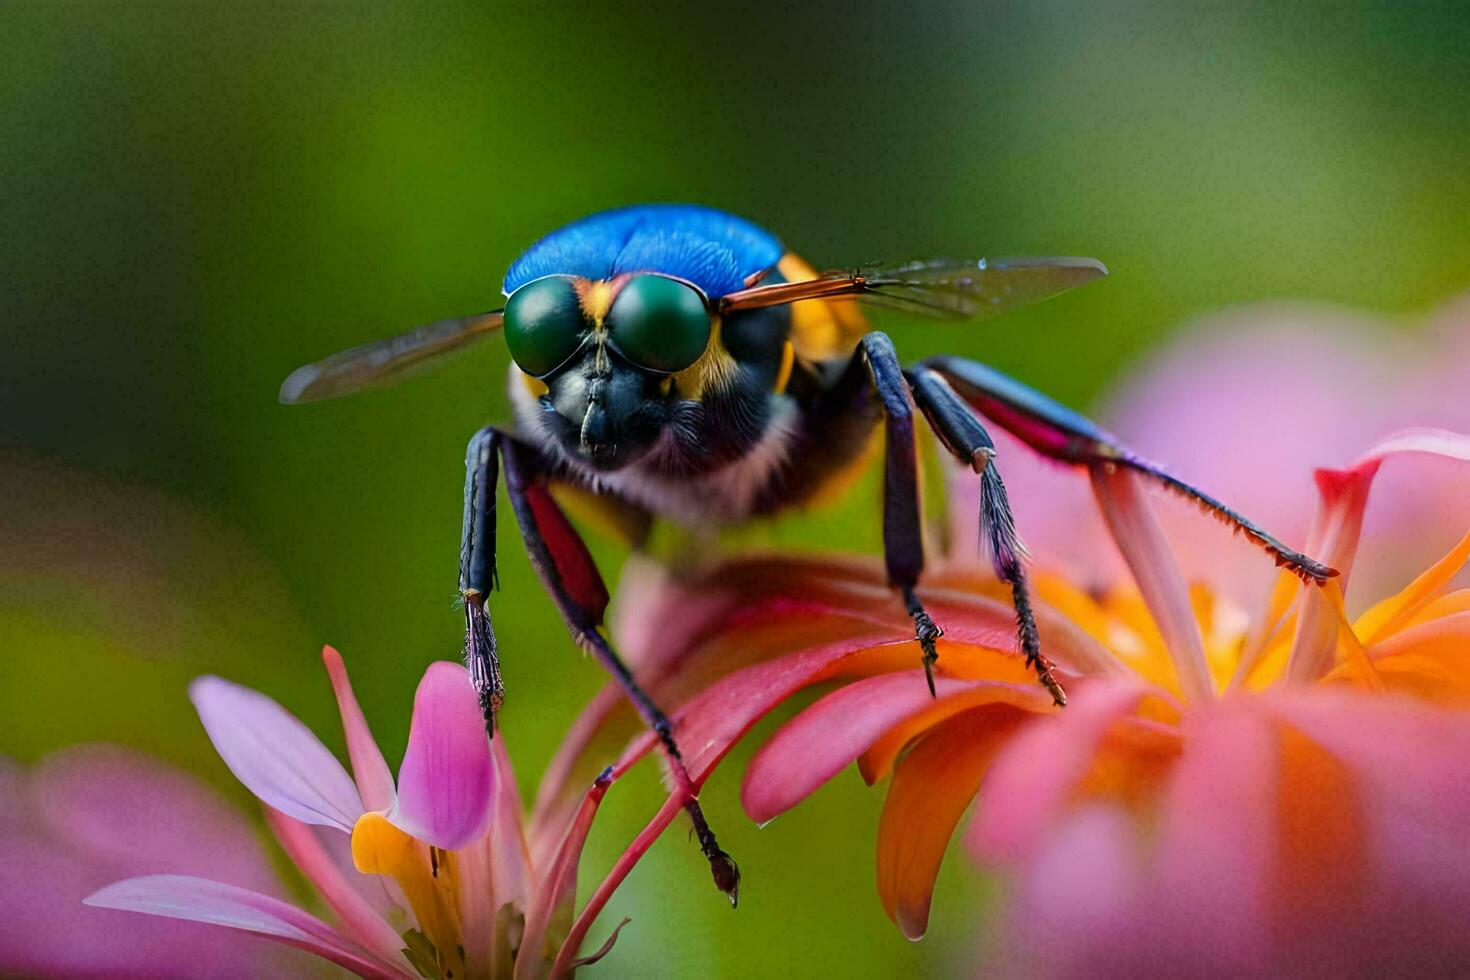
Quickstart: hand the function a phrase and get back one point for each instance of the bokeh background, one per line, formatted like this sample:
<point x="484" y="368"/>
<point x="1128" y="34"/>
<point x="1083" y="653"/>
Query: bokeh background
<point x="194" y="199"/>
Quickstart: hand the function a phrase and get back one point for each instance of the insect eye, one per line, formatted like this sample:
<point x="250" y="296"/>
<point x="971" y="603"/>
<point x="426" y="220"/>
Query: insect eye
<point x="660" y="324"/>
<point x="544" y="324"/>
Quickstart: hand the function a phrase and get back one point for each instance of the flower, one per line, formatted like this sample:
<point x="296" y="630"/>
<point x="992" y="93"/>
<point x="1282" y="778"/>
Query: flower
<point x="1246" y="403"/>
<point x="1311" y="814"/>
<point x="432" y="874"/>
<point x="1184" y="708"/>
<point x="89" y="814"/>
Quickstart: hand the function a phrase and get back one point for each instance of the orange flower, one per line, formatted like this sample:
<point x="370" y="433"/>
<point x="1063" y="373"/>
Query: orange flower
<point x="1294" y="732"/>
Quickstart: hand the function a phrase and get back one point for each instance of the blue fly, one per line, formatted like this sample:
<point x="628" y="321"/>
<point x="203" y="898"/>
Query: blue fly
<point x="678" y="362"/>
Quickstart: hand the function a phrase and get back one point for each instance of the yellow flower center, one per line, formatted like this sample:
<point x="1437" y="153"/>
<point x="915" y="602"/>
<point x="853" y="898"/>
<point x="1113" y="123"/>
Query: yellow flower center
<point x="427" y="876"/>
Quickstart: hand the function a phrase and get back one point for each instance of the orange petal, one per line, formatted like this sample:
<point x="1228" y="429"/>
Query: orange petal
<point x="1448" y="604"/>
<point x="931" y="788"/>
<point x="1323" y="842"/>
<point x="1349" y="651"/>
<point x="1256" y="667"/>
<point x="825" y="738"/>
<point x="1436" y="651"/>
<point x="877" y="762"/>
<point x="1395" y="612"/>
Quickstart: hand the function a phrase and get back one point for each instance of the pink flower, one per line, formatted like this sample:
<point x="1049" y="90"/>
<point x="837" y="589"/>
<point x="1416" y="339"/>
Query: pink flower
<point x="431" y="874"/>
<point x="90" y="814"/>
<point x="1242" y="779"/>
<point x="1247" y="402"/>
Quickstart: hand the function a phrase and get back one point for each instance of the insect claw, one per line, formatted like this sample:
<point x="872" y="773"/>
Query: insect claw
<point x="727" y="876"/>
<point x="926" y="632"/>
<point x="980" y="459"/>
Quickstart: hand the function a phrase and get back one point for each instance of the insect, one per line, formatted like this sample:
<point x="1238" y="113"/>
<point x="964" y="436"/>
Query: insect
<point x="677" y="362"/>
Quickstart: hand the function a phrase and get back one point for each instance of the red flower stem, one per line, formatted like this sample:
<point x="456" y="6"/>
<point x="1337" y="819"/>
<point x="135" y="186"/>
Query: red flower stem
<point x="630" y="857"/>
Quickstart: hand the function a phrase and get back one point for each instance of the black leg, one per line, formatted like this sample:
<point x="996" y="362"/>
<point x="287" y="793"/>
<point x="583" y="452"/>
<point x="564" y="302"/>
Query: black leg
<point x="965" y="438"/>
<point x="875" y="369"/>
<point x="1054" y="430"/>
<point x="477" y="571"/>
<point x="569" y="575"/>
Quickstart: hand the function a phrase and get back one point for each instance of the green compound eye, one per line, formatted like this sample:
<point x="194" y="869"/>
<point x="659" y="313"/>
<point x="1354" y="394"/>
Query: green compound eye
<point x="660" y="324"/>
<point x="544" y="324"/>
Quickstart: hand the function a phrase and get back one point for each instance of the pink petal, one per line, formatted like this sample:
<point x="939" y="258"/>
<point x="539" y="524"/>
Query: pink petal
<point x="827" y="737"/>
<point x="710" y="723"/>
<point x="47" y="931"/>
<point x="714" y="720"/>
<point x="1090" y="905"/>
<point x="374" y="780"/>
<point x="982" y="621"/>
<point x="445" y="782"/>
<point x="1029" y="783"/>
<point x="274" y="755"/>
<point x="657" y="617"/>
<point x="1138" y="536"/>
<point x="358" y="900"/>
<point x="201" y="900"/>
<point x="846" y="595"/>
<point x="1232" y="891"/>
<point x="556" y="887"/>
<point x="1218" y="834"/>
<point x="1209" y="405"/>
<point x="1345" y="492"/>
<point x="512" y="866"/>
<point x="1408" y="753"/>
<point x="1381" y="891"/>
<point x="495" y="870"/>
<point x="1435" y="442"/>
<point x="1335" y="533"/>
<point x="1075" y="908"/>
<point x="133" y="814"/>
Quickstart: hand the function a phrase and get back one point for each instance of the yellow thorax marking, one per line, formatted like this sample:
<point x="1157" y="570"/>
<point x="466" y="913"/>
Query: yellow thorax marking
<point x="821" y="329"/>
<point x="713" y="369"/>
<point x="788" y="361"/>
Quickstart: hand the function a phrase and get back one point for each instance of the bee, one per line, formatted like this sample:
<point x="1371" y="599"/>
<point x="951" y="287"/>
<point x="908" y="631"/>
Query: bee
<point x="677" y="362"/>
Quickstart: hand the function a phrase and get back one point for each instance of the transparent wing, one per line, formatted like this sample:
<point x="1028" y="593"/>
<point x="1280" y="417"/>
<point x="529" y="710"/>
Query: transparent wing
<point x="958" y="289"/>
<point x="385" y="362"/>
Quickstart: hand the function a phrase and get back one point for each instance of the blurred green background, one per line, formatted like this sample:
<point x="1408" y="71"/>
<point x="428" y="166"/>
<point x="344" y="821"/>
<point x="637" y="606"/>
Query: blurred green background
<point x="195" y="199"/>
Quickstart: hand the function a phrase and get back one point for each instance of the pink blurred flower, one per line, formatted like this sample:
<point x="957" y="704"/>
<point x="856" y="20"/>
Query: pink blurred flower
<point x="90" y="814"/>
<point x="1307" y="820"/>
<point x="1293" y="767"/>
<point x="1247" y="402"/>
<point x="429" y="875"/>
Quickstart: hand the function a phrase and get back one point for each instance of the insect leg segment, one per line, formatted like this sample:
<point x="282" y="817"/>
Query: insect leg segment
<point x="877" y="368"/>
<point x="477" y="571"/>
<point x="565" y="566"/>
<point x="966" y="439"/>
<point x="1056" y="431"/>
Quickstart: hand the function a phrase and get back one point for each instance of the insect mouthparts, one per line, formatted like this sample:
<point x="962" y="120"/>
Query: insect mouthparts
<point x="594" y="423"/>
